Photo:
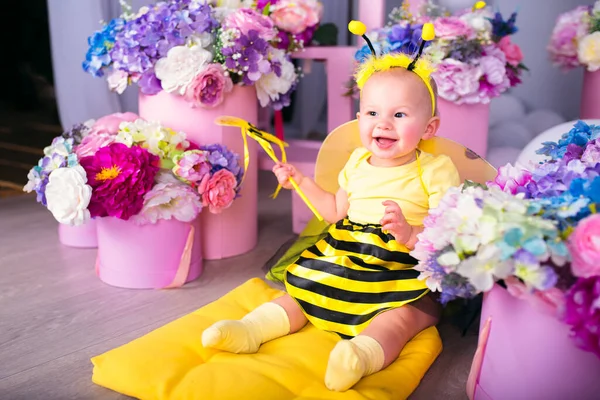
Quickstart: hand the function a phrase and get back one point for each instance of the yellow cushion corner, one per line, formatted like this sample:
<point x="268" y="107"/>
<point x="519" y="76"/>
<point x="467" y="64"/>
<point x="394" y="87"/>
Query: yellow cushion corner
<point x="170" y="362"/>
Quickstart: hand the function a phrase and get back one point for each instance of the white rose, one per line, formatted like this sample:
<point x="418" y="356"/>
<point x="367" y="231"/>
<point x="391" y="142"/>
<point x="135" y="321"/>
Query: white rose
<point x="180" y="67"/>
<point x="479" y="20"/>
<point x="270" y="86"/>
<point x="68" y="195"/>
<point x="588" y="51"/>
<point x="117" y="81"/>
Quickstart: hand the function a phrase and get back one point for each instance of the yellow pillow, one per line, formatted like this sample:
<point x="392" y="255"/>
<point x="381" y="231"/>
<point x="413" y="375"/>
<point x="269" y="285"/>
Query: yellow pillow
<point x="170" y="362"/>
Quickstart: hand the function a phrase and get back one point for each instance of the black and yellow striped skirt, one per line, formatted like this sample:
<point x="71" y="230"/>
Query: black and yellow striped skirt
<point x="354" y="273"/>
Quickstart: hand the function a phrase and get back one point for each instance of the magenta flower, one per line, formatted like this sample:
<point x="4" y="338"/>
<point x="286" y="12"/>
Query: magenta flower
<point x="207" y="89"/>
<point x="191" y="166"/>
<point x="582" y="312"/>
<point x="120" y="176"/>
<point x="511" y="179"/>
<point x="512" y="51"/>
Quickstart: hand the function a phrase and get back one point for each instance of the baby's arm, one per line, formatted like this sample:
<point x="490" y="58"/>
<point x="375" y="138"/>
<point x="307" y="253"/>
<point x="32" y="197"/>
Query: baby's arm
<point x="332" y="207"/>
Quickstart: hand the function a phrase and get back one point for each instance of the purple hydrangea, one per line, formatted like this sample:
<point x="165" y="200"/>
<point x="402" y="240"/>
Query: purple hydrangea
<point x="221" y="157"/>
<point x="150" y="36"/>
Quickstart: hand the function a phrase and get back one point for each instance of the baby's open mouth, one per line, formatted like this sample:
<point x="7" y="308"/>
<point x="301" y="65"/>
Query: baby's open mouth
<point x="385" y="142"/>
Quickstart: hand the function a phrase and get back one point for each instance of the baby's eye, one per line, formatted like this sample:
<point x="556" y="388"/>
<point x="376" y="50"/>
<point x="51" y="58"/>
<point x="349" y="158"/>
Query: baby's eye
<point x="399" y="115"/>
<point x="372" y="113"/>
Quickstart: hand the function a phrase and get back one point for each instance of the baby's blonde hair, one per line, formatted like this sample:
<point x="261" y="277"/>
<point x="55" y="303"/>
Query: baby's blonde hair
<point x="386" y="62"/>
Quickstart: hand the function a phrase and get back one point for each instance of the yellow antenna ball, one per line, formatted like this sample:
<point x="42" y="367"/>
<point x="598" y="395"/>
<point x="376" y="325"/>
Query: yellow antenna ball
<point x="479" y="5"/>
<point x="428" y="32"/>
<point x="357" y="28"/>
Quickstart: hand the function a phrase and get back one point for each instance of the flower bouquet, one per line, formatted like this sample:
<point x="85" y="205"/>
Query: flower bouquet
<point x="475" y="62"/>
<point x="200" y="49"/>
<point x="125" y="167"/>
<point x="575" y="41"/>
<point x="475" y="58"/>
<point x="537" y="232"/>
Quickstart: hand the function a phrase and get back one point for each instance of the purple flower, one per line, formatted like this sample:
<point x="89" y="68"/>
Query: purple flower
<point x="248" y="55"/>
<point x="583" y="313"/>
<point x="149" y="84"/>
<point x="591" y="154"/>
<point x="221" y="157"/>
<point x="150" y="36"/>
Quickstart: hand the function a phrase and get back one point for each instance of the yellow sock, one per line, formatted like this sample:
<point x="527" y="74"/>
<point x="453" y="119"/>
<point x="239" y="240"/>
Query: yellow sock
<point x="266" y="322"/>
<point x="350" y="360"/>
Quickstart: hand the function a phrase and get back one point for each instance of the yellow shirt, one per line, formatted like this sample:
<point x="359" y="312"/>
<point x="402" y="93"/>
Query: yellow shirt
<point x="415" y="189"/>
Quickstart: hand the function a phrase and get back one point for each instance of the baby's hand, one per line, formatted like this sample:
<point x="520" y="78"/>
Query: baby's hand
<point x="393" y="221"/>
<point x="284" y="172"/>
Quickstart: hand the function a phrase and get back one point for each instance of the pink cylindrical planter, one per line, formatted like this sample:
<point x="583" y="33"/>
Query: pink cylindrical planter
<point x="235" y="230"/>
<point x="529" y="355"/>
<point x="83" y="236"/>
<point x="466" y="124"/>
<point x="153" y="256"/>
<point x="590" y="95"/>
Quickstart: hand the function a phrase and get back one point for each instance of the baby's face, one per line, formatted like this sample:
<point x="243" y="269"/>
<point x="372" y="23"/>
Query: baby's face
<point x="395" y="114"/>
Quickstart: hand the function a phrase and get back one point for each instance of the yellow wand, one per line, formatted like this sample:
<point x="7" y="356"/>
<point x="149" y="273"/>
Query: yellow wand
<point x="264" y="139"/>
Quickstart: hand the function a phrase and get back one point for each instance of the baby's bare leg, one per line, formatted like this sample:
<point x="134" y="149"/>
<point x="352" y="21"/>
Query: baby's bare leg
<point x="376" y="347"/>
<point x="266" y="322"/>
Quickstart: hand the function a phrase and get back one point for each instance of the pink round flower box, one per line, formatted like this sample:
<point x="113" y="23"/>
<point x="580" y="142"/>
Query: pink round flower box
<point x="526" y="354"/>
<point x="153" y="256"/>
<point x="466" y="124"/>
<point x="82" y="236"/>
<point x="590" y="95"/>
<point x="234" y="231"/>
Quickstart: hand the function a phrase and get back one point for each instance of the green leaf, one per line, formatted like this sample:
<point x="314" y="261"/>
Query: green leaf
<point x="469" y="183"/>
<point x="326" y="35"/>
<point x="267" y="9"/>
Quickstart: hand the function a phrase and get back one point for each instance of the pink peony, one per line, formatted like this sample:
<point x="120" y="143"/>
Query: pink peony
<point x="584" y="246"/>
<point x="110" y="123"/>
<point x="295" y="16"/>
<point x="512" y="51"/>
<point x="218" y="191"/>
<point x="452" y="28"/>
<point x="120" y="176"/>
<point x="582" y="312"/>
<point x="511" y="179"/>
<point x="91" y="143"/>
<point x="569" y="29"/>
<point x="207" y="89"/>
<point x="192" y="166"/>
<point x="458" y="82"/>
<point x="246" y="19"/>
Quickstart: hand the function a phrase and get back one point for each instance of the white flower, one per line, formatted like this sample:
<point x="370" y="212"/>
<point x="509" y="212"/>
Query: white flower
<point x="588" y="51"/>
<point x="203" y="40"/>
<point x="485" y="267"/>
<point x="169" y="200"/>
<point x="180" y="67"/>
<point x="152" y="136"/>
<point x="68" y="195"/>
<point x="478" y="20"/>
<point x="117" y="81"/>
<point x="270" y="86"/>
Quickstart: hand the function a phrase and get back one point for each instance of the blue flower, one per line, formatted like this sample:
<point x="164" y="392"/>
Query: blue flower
<point x="579" y="135"/>
<point x="501" y="28"/>
<point x="101" y="42"/>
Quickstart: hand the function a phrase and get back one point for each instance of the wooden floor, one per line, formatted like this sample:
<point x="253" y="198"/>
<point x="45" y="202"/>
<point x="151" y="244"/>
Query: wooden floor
<point x="55" y="313"/>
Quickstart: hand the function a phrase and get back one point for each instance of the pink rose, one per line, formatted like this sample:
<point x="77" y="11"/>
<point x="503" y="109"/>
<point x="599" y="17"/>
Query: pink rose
<point x="110" y="123"/>
<point x="570" y="27"/>
<point x="458" y="82"/>
<point x="584" y="246"/>
<point x="91" y="143"/>
<point x="246" y="19"/>
<point x="452" y="28"/>
<point x="512" y="51"/>
<point x="218" y="191"/>
<point x="295" y="16"/>
<point x="208" y="87"/>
